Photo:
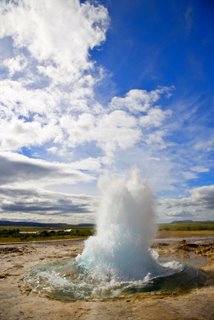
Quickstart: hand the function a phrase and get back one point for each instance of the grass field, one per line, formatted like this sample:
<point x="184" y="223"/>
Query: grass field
<point x="188" y="226"/>
<point x="23" y="233"/>
<point x="186" y="229"/>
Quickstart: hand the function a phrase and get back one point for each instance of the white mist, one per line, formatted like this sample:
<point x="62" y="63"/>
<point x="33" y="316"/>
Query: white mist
<point x="125" y="229"/>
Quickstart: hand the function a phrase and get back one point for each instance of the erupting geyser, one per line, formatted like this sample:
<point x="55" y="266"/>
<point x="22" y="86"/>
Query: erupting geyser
<point x="125" y="229"/>
<point x="117" y="260"/>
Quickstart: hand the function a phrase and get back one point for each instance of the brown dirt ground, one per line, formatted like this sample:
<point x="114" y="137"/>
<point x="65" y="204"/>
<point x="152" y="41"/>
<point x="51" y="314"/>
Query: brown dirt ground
<point x="19" y="303"/>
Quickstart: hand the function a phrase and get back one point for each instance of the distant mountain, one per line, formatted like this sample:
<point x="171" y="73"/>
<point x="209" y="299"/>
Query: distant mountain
<point x="182" y="221"/>
<point x="8" y="223"/>
<point x="193" y="221"/>
<point x="30" y="224"/>
<point x="86" y="224"/>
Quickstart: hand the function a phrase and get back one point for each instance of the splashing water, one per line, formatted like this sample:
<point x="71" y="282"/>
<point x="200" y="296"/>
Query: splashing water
<point x="116" y="261"/>
<point x="125" y="229"/>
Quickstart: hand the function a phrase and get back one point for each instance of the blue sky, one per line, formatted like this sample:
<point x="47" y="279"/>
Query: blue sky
<point x="104" y="86"/>
<point x="166" y="42"/>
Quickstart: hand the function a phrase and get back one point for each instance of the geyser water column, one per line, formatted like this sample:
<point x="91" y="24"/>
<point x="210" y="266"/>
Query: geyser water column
<point x="125" y="228"/>
<point x="116" y="261"/>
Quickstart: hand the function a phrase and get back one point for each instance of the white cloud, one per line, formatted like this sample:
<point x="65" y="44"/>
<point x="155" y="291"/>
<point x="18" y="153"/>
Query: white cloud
<point x="53" y="40"/>
<point x="16" y="64"/>
<point x="116" y="130"/>
<point x="154" y="118"/>
<point x="61" y="31"/>
<point x="18" y="170"/>
<point x="64" y="111"/>
<point x="17" y="100"/>
<point x="204" y="144"/>
<point x="139" y="100"/>
<point x="45" y="206"/>
<point x="198" y="205"/>
<point x="109" y="131"/>
<point x="22" y="189"/>
<point x="18" y="133"/>
<point x="48" y="105"/>
<point x="204" y="195"/>
<point x="54" y="119"/>
<point x="200" y="169"/>
<point x="156" y="138"/>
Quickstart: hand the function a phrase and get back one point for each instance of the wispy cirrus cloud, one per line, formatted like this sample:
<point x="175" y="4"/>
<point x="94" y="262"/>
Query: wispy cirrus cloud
<point x="188" y="18"/>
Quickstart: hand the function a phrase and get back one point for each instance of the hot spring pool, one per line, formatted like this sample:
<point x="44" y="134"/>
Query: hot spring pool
<point x="67" y="281"/>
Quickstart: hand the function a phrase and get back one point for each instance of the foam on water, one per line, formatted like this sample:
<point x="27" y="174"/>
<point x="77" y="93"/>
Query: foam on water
<point x="65" y="281"/>
<point x="125" y="229"/>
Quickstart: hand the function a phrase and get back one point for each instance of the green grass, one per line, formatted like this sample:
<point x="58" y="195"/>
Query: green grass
<point x="38" y="228"/>
<point x="22" y="233"/>
<point x="8" y="234"/>
<point x="188" y="226"/>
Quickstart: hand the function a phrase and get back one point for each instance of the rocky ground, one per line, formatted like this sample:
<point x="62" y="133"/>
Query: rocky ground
<point x="18" y="302"/>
